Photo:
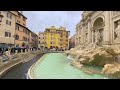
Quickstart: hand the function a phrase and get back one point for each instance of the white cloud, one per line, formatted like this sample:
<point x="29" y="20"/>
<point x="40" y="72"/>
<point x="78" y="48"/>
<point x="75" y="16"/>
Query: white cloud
<point x="39" y="20"/>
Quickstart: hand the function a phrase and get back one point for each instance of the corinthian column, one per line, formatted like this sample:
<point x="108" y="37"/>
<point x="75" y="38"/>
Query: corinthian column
<point x="89" y="33"/>
<point x="107" y="28"/>
<point x="83" y="34"/>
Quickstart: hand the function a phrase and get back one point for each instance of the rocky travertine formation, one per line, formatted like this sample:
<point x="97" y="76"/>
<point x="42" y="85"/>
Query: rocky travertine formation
<point x="87" y="55"/>
<point x="76" y="64"/>
<point x="93" y="54"/>
<point x="112" y="70"/>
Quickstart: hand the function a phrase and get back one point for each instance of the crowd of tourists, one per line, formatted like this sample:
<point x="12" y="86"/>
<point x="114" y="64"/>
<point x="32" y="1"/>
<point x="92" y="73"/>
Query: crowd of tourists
<point x="19" y="49"/>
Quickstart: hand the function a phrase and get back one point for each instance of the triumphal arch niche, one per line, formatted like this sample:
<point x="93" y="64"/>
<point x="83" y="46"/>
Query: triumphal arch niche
<point x="97" y="31"/>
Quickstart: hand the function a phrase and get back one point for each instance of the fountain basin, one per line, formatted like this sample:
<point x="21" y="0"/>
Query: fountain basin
<point x="57" y="66"/>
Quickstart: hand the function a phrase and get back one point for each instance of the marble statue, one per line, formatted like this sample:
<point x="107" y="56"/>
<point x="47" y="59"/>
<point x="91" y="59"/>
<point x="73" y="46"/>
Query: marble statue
<point x="117" y="31"/>
<point x="97" y="37"/>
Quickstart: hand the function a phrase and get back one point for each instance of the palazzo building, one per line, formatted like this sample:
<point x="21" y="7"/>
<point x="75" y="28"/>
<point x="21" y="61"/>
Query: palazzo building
<point x="56" y="38"/>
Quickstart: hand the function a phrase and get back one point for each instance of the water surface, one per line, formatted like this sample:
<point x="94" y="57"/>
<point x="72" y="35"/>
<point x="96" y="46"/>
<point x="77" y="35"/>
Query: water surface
<point x="57" y="66"/>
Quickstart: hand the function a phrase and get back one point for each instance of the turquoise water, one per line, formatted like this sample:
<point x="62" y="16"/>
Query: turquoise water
<point x="56" y="66"/>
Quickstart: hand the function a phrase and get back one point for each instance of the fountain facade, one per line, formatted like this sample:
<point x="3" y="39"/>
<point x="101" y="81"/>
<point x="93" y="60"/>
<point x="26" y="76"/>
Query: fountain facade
<point x="98" y="39"/>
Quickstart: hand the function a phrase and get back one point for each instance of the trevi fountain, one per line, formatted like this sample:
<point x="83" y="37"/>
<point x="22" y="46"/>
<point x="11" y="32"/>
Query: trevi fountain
<point x="98" y="43"/>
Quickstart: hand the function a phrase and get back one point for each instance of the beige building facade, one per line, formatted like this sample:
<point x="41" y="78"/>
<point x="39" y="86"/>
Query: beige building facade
<point x="13" y="31"/>
<point x="100" y="27"/>
<point x="72" y="41"/>
<point x="7" y="28"/>
<point x="41" y="40"/>
<point x="33" y="42"/>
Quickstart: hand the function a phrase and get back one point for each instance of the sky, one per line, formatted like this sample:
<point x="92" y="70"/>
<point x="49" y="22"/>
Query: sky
<point x="39" y="20"/>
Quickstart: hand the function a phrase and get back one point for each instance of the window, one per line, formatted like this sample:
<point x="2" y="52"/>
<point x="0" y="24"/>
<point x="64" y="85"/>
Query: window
<point x="39" y="42"/>
<point x="18" y="15"/>
<point x="39" y="37"/>
<point x="60" y="39"/>
<point x="17" y="27"/>
<point x="7" y="34"/>
<point x="24" y="39"/>
<point x="18" y="21"/>
<point x="8" y="22"/>
<point x="26" y="31"/>
<point x="43" y="37"/>
<point x="9" y="15"/>
<point x="47" y="30"/>
<point x="17" y="37"/>
<point x="50" y="42"/>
